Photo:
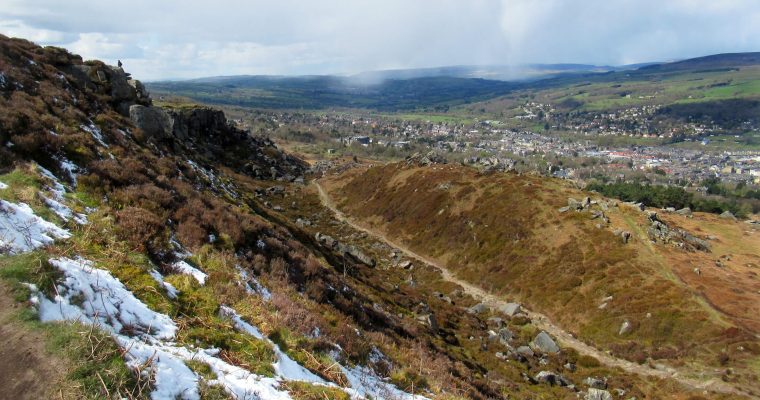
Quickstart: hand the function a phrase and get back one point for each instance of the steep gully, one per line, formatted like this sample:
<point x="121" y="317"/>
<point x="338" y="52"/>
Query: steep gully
<point x="540" y="320"/>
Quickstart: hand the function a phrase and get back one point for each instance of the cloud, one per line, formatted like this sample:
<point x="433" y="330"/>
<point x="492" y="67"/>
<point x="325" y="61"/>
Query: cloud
<point x="183" y="39"/>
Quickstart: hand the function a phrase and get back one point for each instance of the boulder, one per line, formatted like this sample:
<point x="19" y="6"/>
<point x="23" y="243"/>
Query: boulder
<point x="626" y="236"/>
<point x="356" y="254"/>
<point x="596" y="383"/>
<point x="509" y="309"/>
<point x="325" y="240"/>
<point x="684" y="211"/>
<point x="154" y="121"/>
<point x="524" y="351"/>
<point x="505" y="335"/>
<point x="544" y="343"/>
<point x="728" y="215"/>
<point x="477" y="309"/>
<point x="551" y="378"/>
<point x="597" y="394"/>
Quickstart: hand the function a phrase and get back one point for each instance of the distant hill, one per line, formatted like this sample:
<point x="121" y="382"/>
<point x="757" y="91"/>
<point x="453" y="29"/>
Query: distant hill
<point x="317" y="92"/>
<point x="727" y="60"/>
<point x="432" y="89"/>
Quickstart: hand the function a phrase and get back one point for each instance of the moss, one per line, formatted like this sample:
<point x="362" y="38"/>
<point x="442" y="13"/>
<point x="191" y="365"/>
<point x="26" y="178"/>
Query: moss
<point x="255" y="355"/>
<point x="29" y="268"/>
<point x="202" y="369"/>
<point x="306" y="391"/>
<point x="409" y="380"/>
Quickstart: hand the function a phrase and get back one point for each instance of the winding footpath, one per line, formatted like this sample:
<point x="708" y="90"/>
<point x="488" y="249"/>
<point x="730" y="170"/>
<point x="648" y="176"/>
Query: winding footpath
<point x="540" y="320"/>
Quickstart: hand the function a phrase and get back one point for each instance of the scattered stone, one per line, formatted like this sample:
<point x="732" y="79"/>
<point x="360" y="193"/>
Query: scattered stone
<point x="544" y="343"/>
<point x="301" y="223"/>
<point x="478" y="309"/>
<point x="596" y="383"/>
<point x="626" y="236"/>
<point x="564" y="209"/>
<point x="625" y="328"/>
<point x="510" y="309"/>
<point x="505" y="335"/>
<point x="496" y="322"/>
<point x="406" y="264"/>
<point x="551" y="378"/>
<point x="525" y="351"/>
<point x="569" y="366"/>
<point x="686" y="211"/>
<point x="728" y="215"/>
<point x="597" y="394"/>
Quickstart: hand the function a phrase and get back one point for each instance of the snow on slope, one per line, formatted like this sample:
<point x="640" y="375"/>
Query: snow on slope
<point x="104" y="301"/>
<point x="22" y="230"/>
<point x="184" y="268"/>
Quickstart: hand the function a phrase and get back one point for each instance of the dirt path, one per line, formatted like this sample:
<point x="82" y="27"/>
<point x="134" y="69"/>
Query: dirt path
<point x="27" y="370"/>
<point x="540" y="320"/>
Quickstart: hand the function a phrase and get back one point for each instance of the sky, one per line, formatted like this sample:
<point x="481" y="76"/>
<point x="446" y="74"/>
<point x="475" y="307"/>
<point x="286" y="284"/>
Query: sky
<point x="168" y="39"/>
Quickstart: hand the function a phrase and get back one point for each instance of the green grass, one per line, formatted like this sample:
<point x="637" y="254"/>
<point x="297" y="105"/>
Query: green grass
<point x="96" y="360"/>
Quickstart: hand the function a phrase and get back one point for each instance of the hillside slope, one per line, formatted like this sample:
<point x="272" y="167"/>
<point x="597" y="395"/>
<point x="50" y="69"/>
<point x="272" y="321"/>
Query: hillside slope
<point x="514" y="236"/>
<point x="162" y="253"/>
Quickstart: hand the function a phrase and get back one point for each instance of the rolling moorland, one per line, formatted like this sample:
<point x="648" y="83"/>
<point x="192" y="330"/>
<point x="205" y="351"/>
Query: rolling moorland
<point x="161" y="252"/>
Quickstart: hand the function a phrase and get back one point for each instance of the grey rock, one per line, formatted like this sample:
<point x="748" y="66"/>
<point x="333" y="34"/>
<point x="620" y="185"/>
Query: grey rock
<point x="552" y="378"/>
<point x="505" y="335"/>
<point x="509" y="309"/>
<point x="596" y="383"/>
<point x="597" y="394"/>
<point x="477" y="309"/>
<point x="728" y="215"/>
<point x="154" y="121"/>
<point x="544" y="343"/>
<point x="495" y="322"/>
<point x="626" y="236"/>
<point x="326" y="240"/>
<point x="684" y="211"/>
<point x="525" y="351"/>
<point x="569" y="366"/>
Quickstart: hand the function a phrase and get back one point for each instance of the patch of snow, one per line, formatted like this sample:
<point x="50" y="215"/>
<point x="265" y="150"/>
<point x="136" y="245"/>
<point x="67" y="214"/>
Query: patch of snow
<point x="104" y="301"/>
<point x="70" y="168"/>
<point x="55" y="186"/>
<point x="3" y="186"/>
<point x="257" y="288"/>
<point x="173" y="379"/>
<point x="366" y="384"/>
<point x="22" y="230"/>
<point x="184" y="268"/>
<point x="285" y="367"/>
<point x="93" y="130"/>
<point x="58" y="208"/>
<point x="107" y="303"/>
<point x="179" y="251"/>
<point x="171" y="291"/>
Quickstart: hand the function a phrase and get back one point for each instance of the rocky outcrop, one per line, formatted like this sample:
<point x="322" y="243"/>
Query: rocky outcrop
<point x="660" y="232"/>
<point x="347" y="250"/>
<point x="154" y="121"/>
<point x="206" y="133"/>
<point x="112" y="81"/>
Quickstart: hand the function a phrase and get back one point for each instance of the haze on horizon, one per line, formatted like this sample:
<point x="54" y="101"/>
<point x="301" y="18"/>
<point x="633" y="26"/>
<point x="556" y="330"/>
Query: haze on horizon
<point x="188" y="39"/>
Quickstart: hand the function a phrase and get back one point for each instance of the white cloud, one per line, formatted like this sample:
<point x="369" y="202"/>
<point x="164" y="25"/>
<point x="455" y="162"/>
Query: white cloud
<point x="181" y="39"/>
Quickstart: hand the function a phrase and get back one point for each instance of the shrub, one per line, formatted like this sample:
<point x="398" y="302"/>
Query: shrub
<point x="141" y="228"/>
